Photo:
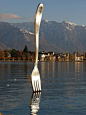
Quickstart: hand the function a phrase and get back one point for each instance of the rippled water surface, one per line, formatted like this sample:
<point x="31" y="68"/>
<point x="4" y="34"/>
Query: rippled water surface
<point x="63" y="89"/>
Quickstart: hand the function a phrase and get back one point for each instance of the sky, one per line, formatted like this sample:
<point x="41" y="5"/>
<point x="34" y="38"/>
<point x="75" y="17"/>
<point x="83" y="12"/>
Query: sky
<point x="54" y="10"/>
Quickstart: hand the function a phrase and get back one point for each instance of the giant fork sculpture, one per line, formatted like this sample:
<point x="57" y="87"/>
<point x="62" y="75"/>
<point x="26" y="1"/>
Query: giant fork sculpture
<point x="35" y="76"/>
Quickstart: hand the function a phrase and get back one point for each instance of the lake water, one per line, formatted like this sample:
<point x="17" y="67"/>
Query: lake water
<point x="63" y="89"/>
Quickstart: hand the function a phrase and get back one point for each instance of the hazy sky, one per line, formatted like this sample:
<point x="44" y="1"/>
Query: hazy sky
<point x="54" y="10"/>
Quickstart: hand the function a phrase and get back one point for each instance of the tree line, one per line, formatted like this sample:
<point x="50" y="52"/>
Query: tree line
<point x="14" y="54"/>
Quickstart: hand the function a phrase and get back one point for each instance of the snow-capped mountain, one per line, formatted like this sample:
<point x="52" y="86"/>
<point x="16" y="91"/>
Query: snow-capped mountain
<point x="66" y="35"/>
<point x="14" y="37"/>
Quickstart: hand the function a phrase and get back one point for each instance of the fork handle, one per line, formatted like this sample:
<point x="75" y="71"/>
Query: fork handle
<point x="37" y="22"/>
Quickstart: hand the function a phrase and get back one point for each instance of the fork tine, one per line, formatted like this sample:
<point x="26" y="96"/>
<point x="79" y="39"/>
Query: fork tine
<point x="32" y="84"/>
<point x="40" y="85"/>
<point x="36" y="85"/>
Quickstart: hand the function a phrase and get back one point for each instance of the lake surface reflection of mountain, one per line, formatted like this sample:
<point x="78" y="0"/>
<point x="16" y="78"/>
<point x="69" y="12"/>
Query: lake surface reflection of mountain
<point x="63" y="89"/>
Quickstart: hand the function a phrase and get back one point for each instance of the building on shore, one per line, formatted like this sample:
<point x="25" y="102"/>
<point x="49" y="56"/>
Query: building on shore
<point x="78" y="57"/>
<point x="63" y="57"/>
<point x="47" y="56"/>
<point x="42" y="56"/>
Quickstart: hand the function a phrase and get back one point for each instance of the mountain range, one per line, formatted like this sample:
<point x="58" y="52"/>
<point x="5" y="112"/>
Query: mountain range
<point x="54" y="36"/>
<point x="12" y="37"/>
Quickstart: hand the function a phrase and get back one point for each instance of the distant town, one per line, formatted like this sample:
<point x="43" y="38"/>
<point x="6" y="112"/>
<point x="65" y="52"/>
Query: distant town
<point x="25" y="55"/>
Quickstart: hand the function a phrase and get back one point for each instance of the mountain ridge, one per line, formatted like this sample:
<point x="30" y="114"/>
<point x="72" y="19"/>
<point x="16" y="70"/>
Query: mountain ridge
<point x="14" y="37"/>
<point x="66" y="35"/>
<point x="54" y="36"/>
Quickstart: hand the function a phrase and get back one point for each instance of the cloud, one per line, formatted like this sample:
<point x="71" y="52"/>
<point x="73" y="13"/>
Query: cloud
<point x="5" y="16"/>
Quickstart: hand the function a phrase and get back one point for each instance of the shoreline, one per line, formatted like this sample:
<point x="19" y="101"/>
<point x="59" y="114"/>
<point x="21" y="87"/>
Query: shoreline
<point x="38" y="61"/>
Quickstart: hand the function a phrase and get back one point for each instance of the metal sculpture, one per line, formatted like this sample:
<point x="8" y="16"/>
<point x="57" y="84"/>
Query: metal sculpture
<point x="35" y="76"/>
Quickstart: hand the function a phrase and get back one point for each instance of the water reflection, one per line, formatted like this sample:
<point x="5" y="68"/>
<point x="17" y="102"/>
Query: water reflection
<point x="78" y="66"/>
<point x="48" y="68"/>
<point x="63" y="86"/>
<point x="63" y="66"/>
<point x="78" y="69"/>
<point x="4" y="69"/>
<point x="25" y="68"/>
<point x="42" y="68"/>
<point x="34" y="103"/>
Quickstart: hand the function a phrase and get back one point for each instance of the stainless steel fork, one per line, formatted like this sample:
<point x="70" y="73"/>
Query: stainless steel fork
<point x="35" y="76"/>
